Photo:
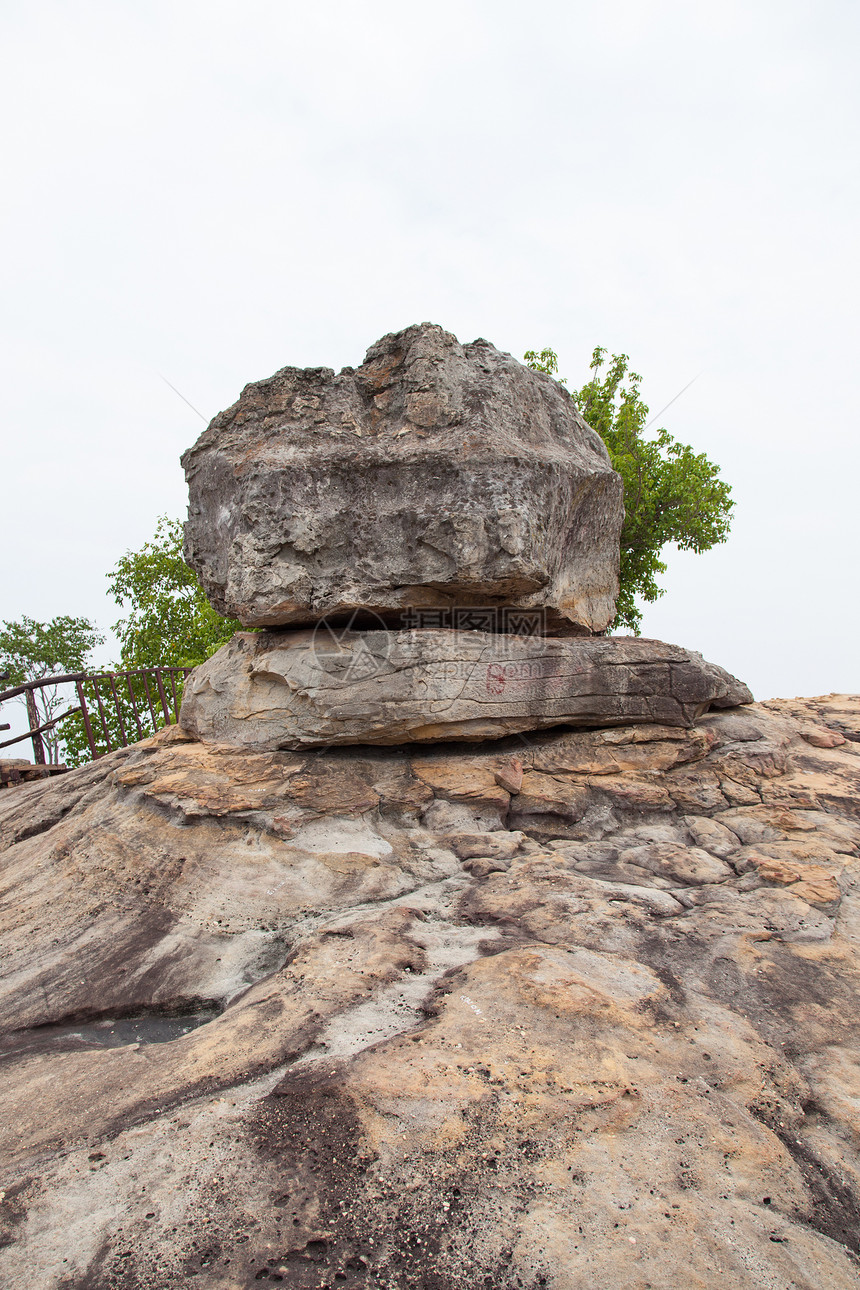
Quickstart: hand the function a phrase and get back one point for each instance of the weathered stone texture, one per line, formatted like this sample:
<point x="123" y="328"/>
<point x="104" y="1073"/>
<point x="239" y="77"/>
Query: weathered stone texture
<point x="436" y="474"/>
<point x="557" y="1014"/>
<point x="296" y="689"/>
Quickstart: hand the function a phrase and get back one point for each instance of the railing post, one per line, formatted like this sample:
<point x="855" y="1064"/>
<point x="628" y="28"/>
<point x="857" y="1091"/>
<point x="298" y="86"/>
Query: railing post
<point x="118" y="709"/>
<point x="171" y="672"/>
<point x="133" y="704"/>
<point x="158" y="692"/>
<point x="33" y="719"/>
<point x="86" y="716"/>
<point x="105" y="728"/>
<point x="162" y="696"/>
<point x="143" y="672"/>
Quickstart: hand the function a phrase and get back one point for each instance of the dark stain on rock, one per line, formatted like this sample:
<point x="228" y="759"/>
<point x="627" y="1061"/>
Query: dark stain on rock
<point x="153" y="1026"/>
<point x="359" y="1224"/>
<point x="102" y="974"/>
<point x="835" y="1209"/>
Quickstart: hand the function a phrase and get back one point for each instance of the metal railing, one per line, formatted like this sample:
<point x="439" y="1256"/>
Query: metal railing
<point x="115" y="717"/>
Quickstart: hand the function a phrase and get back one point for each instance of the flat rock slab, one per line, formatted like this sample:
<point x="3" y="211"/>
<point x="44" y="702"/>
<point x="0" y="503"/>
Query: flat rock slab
<point x="435" y="476"/>
<point x="295" y="689"/>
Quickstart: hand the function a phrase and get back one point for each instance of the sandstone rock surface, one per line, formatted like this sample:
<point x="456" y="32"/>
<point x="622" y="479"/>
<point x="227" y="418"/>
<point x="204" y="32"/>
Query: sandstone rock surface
<point x="508" y="1016"/>
<point x="296" y="689"/>
<point x="436" y="475"/>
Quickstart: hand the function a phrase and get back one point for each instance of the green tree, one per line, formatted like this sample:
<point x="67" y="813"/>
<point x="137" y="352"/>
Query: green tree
<point x="30" y="650"/>
<point x="671" y="493"/>
<point x="170" y="621"/>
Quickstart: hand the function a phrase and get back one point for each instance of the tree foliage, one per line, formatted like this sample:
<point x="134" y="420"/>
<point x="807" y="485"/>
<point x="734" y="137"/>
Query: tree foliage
<point x="30" y="650"/>
<point x="170" y="621"/>
<point x="671" y="493"/>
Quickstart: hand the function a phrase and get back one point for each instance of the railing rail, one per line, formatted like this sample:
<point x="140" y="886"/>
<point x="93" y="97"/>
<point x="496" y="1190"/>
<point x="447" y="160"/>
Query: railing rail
<point x="112" y="717"/>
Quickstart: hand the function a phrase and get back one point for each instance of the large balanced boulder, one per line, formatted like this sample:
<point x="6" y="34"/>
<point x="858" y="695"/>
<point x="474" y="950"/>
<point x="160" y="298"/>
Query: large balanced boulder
<point x="436" y="475"/>
<point x="294" y="689"/>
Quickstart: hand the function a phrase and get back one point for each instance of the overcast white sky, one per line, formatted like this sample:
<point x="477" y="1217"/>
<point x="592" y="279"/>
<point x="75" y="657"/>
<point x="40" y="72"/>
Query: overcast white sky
<point x="210" y="191"/>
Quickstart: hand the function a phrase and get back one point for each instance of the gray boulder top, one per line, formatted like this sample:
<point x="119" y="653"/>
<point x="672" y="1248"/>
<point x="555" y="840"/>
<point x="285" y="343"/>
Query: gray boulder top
<point x="435" y="475"/>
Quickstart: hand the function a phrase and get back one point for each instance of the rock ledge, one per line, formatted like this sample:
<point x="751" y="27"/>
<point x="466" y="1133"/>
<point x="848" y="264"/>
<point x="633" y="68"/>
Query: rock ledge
<point x="298" y="689"/>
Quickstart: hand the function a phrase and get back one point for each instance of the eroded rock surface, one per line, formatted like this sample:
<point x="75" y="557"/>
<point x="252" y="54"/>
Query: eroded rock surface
<point x="271" y="690"/>
<point x="435" y="475"/>
<point x="575" y="1011"/>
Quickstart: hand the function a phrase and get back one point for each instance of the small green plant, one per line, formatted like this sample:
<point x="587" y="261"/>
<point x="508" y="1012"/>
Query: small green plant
<point x="545" y="361"/>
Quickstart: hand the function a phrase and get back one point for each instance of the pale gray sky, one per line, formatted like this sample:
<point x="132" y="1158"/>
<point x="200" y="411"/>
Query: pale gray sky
<point x="210" y="191"/>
